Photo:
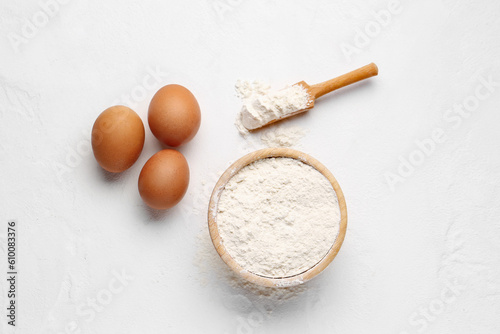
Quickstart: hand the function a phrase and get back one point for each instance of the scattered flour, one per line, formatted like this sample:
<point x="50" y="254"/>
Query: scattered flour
<point x="283" y="136"/>
<point x="261" y="105"/>
<point x="278" y="217"/>
<point x="212" y="269"/>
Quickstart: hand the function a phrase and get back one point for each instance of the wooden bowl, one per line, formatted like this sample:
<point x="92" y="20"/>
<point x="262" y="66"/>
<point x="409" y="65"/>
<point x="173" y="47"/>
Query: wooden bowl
<point x="214" y="232"/>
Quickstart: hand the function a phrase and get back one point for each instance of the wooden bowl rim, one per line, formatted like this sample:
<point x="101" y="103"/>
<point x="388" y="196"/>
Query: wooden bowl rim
<point x="214" y="232"/>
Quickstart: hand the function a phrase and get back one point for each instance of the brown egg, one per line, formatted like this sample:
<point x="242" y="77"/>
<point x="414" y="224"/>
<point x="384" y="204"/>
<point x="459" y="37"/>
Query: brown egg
<point x="117" y="138"/>
<point x="174" y="115"/>
<point x="164" y="179"/>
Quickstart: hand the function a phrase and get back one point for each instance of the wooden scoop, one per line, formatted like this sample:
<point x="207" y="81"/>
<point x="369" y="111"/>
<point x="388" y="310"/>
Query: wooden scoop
<point x="318" y="90"/>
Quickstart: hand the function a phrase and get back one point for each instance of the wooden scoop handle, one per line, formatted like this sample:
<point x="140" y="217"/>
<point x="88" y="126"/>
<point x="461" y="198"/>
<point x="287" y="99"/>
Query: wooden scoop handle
<point x="362" y="73"/>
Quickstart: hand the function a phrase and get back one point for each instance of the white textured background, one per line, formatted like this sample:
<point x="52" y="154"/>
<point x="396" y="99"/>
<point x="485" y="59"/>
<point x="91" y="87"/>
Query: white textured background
<point x="406" y="245"/>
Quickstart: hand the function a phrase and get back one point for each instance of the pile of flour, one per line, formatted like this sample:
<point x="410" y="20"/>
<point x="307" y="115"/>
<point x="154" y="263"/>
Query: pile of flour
<point x="278" y="217"/>
<point x="262" y="105"/>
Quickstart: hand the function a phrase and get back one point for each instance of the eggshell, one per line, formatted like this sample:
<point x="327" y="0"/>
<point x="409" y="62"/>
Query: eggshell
<point x="117" y="138"/>
<point x="174" y="115"/>
<point x="164" y="179"/>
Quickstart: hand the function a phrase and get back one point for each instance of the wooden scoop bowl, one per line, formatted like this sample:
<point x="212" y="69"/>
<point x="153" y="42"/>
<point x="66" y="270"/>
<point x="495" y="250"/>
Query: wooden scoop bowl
<point x="318" y="90"/>
<point x="218" y="242"/>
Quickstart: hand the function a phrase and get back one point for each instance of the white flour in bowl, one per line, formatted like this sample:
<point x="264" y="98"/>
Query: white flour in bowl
<point x="278" y="217"/>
